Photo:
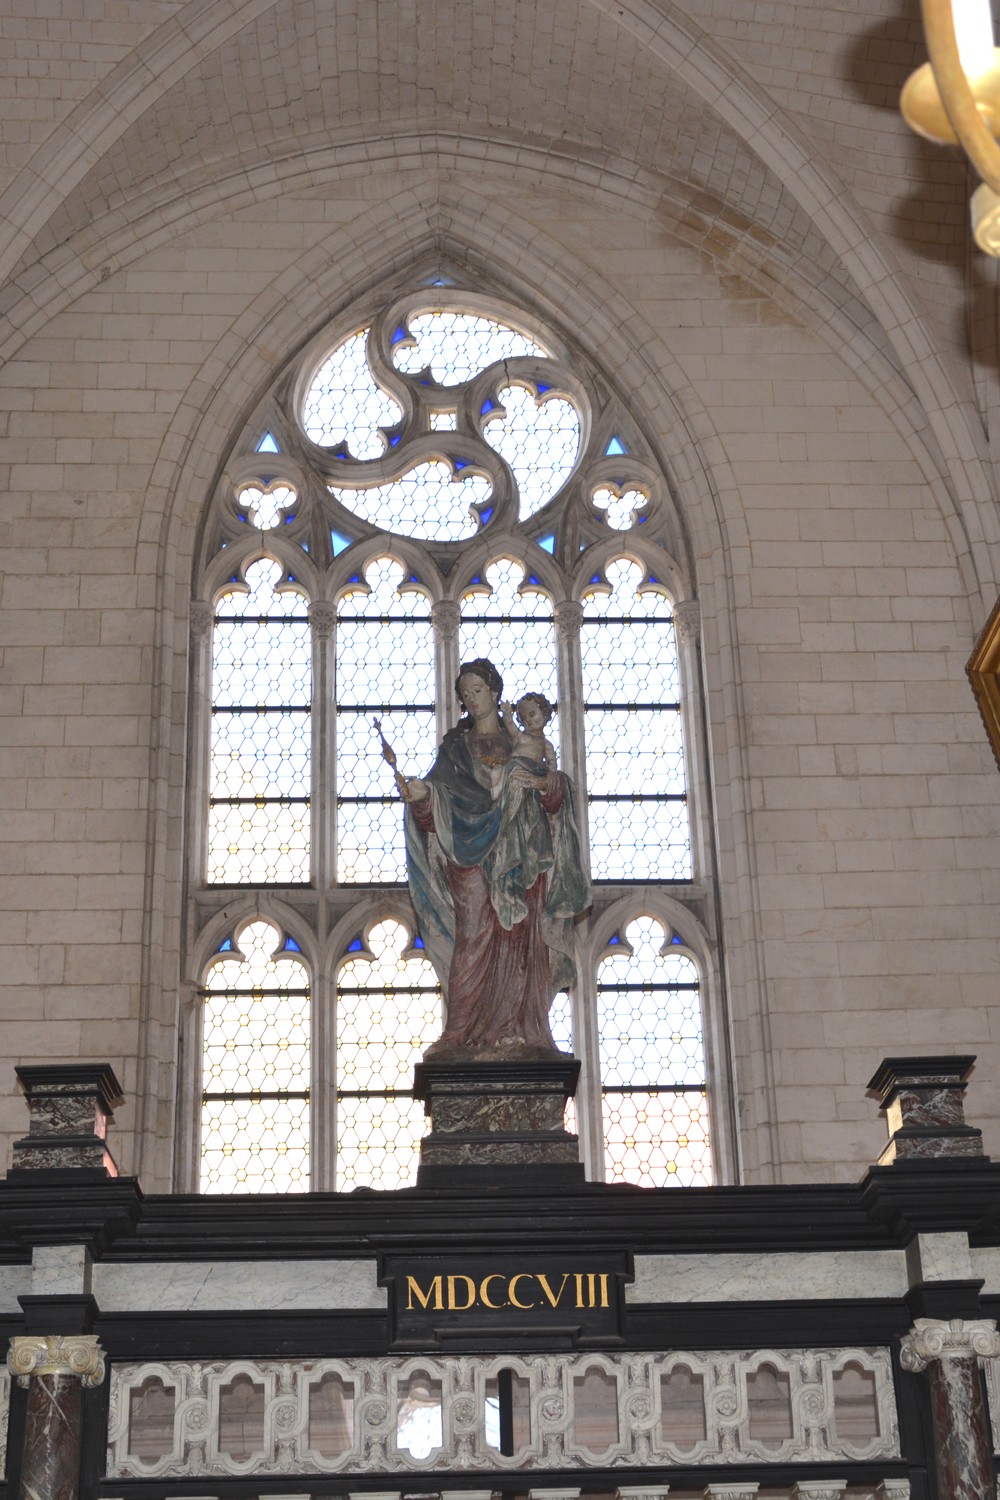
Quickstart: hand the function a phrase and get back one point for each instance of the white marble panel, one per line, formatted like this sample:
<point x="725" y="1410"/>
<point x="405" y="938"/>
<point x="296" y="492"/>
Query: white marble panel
<point x="765" y="1277"/>
<point x="15" y="1281"/>
<point x="233" y="1286"/>
<point x="939" y="1257"/>
<point x="60" y="1270"/>
<point x="986" y="1265"/>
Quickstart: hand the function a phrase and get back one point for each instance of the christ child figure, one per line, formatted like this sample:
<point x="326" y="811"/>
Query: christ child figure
<point x="532" y="711"/>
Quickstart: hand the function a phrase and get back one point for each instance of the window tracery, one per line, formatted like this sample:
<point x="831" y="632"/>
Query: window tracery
<point x="435" y="481"/>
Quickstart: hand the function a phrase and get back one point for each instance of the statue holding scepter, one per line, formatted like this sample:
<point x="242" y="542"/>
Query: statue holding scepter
<point x="496" y="878"/>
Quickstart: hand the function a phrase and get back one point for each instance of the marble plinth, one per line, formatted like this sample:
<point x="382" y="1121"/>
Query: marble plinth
<point x="70" y="1107"/>
<point x="502" y="1114"/>
<point x="924" y="1108"/>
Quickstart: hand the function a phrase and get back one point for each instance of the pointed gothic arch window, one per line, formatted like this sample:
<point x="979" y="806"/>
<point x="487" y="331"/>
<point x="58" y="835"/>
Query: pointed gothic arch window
<point x="436" y="478"/>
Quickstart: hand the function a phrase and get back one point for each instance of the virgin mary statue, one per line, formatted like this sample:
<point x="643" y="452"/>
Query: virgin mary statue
<point x="493" y="859"/>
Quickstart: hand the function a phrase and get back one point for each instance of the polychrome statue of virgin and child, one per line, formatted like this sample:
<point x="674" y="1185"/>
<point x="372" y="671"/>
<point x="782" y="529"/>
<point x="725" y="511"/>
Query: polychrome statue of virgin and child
<point x="495" y="872"/>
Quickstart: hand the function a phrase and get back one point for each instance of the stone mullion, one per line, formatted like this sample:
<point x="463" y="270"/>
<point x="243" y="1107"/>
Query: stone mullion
<point x="54" y="1370"/>
<point x="951" y="1353"/>
<point x="568" y="615"/>
<point x="323" y="807"/>
<point x="445" y="619"/>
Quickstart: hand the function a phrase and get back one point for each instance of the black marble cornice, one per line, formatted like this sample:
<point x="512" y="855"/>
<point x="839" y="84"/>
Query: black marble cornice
<point x="58" y="1208"/>
<point x="116" y="1221"/>
<point x="934" y="1197"/>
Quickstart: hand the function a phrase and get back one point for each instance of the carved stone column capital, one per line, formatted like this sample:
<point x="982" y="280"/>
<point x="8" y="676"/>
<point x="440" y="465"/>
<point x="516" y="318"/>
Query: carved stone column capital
<point x="77" y="1354"/>
<point x="322" y="618"/>
<point x="445" y="618"/>
<point x="687" y="622"/>
<point x="202" y="616"/>
<point x="959" y="1338"/>
<point x="568" y="615"/>
<point x="892" y="1489"/>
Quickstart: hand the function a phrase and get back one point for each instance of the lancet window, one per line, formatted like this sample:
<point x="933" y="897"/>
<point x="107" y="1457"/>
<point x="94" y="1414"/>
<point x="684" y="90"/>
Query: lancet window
<point x="439" y="478"/>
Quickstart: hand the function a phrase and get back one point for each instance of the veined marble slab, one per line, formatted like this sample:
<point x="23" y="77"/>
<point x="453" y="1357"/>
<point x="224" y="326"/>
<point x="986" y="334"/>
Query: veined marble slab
<point x="986" y="1263"/>
<point x="765" y="1277"/>
<point x="15" y="1281"/>
<point x="235" y="1285"/>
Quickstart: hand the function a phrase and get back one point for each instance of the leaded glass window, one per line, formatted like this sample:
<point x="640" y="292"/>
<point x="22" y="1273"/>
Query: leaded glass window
<point x="437" y="477"/>
<point x="256" y="1073"/>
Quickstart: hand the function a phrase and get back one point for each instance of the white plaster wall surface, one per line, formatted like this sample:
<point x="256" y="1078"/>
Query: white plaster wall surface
<point x="221" y="1286"/>
<point x="857" y="797"/>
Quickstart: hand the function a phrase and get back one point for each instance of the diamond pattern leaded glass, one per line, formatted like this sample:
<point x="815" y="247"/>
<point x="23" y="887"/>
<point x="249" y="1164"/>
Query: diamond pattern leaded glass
<point x="384" y="669"/>
<point x="258" y="823"/>
<point x="633" y="732"/>
<point x="652" y="1061"/>
<point x="255" y="1097"/>
<point x="388" y="1013"/>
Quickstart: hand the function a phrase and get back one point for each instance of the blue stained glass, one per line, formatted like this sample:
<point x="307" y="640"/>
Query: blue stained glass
<point x="484" y="515"/>
<point x="292" y="578"/>
<point x="653" y="578"/>
<point x="596" y="578"/>
<point x="614" y="941"/>
<point x="356" y="946"/>
<point x="478" y="578"/>
<point x="675" y="939"/>
<point x="415" y="578"/>
<point x="548" y="543"/>
<point x="418" y="941"/>
<point x="291" y="946"/>
<point x="395" y="440"/>
<point x="541" y="387"/>
<point x="399" y="335"/>
<point x="616" y="446"/>
<point x="460" y="464"/>
<point x="487" y="405"/>
<point x="354" y="578"/>
<point x="340" y="543"/>
<point x="532" y="578"/>
<point x="226" y="946"/>
<point x="643" y="520"/>
<point x="442" y="281"/>
<point x="266" y="480"/>
<point x="267" y="445"/>
<point x="241" y="515"/>
<point x="341" y="452"/>
<point x="426" y="382"/>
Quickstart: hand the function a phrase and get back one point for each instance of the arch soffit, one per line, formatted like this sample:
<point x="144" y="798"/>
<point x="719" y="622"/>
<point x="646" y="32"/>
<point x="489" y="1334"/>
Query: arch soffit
<point x="750" y="258"/>
<point x="177" y="46"/>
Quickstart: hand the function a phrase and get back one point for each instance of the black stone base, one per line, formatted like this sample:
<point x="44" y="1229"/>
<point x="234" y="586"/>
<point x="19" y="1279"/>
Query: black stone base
<point x="497" y="1121"/>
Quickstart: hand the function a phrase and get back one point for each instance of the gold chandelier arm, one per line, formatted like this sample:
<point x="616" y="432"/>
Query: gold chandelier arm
<point x="956" y="95"/>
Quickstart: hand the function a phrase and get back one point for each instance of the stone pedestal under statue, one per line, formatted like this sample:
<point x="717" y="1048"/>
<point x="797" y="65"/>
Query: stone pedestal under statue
<point x="497" y="1121"/>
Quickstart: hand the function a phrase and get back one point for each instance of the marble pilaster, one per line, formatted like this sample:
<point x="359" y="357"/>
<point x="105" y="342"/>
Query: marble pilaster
<point x="951" y="1353"/>
<point x="923" y="1102"/>
<point x="54" y="1370"/>
<point x="70" y="1107"/>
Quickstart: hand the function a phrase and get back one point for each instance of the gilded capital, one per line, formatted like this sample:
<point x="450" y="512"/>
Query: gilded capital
<point x="959" y="1338"/>
<point x="77" y="1354"/>
<point x="322" y="617"/>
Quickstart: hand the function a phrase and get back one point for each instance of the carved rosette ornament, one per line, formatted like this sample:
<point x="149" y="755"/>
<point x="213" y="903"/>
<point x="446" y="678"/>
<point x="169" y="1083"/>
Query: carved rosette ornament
<point x="322" y="618"/>
<point x="73" y="1354"/>
<point x="687" y="622"/>
<point x="201" y="618"/>
<point x="568" y="615"/>
<point x="951" y="1352"/>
